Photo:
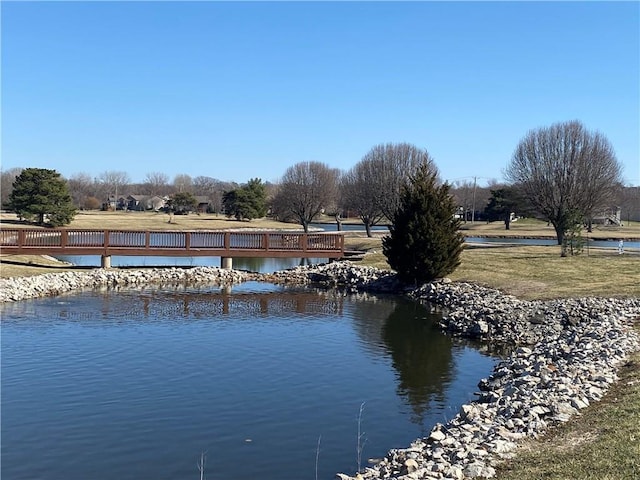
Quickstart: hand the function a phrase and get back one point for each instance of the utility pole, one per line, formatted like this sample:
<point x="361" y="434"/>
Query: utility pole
<point x="473" y="202"/>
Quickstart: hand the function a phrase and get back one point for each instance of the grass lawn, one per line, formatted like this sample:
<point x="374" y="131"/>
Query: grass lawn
<point x="153" y="221"/>
<point x="604" y="441"/>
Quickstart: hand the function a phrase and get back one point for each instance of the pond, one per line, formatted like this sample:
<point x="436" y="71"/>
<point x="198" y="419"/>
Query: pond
<point x="257" y="264"/>
<point x="136" y="383"/>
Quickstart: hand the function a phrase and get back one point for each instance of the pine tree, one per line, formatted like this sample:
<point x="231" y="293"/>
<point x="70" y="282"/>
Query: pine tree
<point x="39" y="192"/>
<point x="247" y="202"/>
<point x="424" y="241"/>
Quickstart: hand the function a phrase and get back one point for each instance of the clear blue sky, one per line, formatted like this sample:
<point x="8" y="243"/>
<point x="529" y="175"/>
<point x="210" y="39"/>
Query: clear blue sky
<point x="241" y="90"/>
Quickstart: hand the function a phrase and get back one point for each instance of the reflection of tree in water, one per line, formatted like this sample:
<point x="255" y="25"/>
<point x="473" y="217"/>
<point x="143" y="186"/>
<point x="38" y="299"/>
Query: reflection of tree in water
<point x="421" y="355"/>
<point x="369" y="314"/>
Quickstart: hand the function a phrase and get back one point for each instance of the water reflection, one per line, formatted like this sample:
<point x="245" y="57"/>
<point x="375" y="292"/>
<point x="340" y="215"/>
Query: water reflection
<point x="121" y="375"/>
<point x="257" y="264"/>
<point x="188" y="302"/>
<point x="421" y="355"/>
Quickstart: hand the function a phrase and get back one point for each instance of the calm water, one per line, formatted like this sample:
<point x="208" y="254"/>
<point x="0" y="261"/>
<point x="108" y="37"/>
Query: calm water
<point x="262" y="265"/>
<point x="137" y="383"/>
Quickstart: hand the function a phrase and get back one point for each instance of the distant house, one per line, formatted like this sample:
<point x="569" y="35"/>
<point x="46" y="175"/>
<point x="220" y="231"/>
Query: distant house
<point x="202" y="203"/>
<point x="114" y="203"/>
<point x="157" y="203"/>
<point x="609" y="216"/>
<point x="137" y="202"/>
<point x="142" y="203"/>
<point x="110" y="204"/>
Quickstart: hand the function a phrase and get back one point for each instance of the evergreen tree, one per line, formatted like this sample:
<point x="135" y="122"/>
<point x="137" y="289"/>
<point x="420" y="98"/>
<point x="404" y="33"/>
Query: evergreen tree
<point x="39" y="192"/>
<point x="503" y="202"/>
<point x="182" y="203"/>
<point x="424" y="241"/>
<point x="247" y="202"/>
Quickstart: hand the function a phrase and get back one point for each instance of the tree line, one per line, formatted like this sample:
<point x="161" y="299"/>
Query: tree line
<point x="564" y="174"/>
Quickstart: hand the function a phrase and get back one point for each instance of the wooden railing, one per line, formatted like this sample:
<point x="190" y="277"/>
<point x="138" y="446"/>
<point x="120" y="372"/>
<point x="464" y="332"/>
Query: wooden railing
<point x="194" y="243"/>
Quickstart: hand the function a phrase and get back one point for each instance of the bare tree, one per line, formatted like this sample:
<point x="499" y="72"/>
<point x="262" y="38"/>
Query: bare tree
<point x="81" y="187"/>
<point x="156" y="183"/>
<point x="183" y="183"/>
<point x="391" y="166"/>
<point x="464" y="194"/>
<point x="628" y="199"/>
<point x="114" y="182"/>
<point x="305" y="190"/>
<point x="360" y="193"/>
<point x="203" y="185"/>
<point x="6" y="182"/>
<point x="565" y="170"/>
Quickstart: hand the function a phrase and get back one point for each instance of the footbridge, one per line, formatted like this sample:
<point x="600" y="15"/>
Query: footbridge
<point x="172" y="243"/>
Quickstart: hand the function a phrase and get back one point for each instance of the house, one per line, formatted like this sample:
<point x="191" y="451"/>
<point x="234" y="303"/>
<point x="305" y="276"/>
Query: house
<point x="202" y="203"/>
<point x="145" y="202"/>
<point x="114" y="203"/>
<point x="608" y="216"/>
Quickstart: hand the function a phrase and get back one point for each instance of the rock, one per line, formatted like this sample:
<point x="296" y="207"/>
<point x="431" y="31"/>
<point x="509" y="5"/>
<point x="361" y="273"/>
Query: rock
<point x="342" y="476"/>
<point x="436" y="436"/>
<point x="410" y="466"/>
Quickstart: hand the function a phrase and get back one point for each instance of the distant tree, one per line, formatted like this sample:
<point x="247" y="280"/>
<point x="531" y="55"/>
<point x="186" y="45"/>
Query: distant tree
<point x="471" y="198"/>
<point x="360" y="192"/>
<point x="503" y="202"/>
<point x="39" y="192"/>
<point x="464" y="195"/>
<point x="305" y="190"/>
<point x="7" y="177"/>
<point x="213" y="189"/>
<point x="156" y="183"/>
<point x="183" y="183"/>
<point x="203" y="185"/>
<point x="91" y="203"/>
<point x="565" y="170"/>
<point x="114" y="183"/>
<point x="81" y="186"/>
<point x="424" y="241"/>
<point x="628" y="199"/>
<point x="181" y="203"/>
<point x="372" y="187"/>
<point x="247" y="202"/>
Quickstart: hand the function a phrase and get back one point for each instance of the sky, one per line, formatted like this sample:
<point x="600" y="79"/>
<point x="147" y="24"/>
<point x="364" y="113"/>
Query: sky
<point x="241" y="90"/>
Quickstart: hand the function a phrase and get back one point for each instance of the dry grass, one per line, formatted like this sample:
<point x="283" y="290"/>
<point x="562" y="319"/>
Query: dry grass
<point x="533" y="272"/>
<point x="154" y="221"/>
<point x="539" y="229"/>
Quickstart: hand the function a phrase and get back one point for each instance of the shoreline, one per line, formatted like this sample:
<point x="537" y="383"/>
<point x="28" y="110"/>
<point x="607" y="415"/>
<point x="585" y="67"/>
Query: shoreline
<point x="566" y="354"/>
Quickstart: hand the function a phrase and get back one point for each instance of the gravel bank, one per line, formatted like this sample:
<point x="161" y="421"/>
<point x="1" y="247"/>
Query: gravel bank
<point x="565" y="355"/>
<point x="50" y="284"/>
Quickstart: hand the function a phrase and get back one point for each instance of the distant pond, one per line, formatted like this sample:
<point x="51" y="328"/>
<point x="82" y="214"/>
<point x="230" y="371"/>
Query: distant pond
<point x="136" y="383"/>
<point x="261" y="265"/>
